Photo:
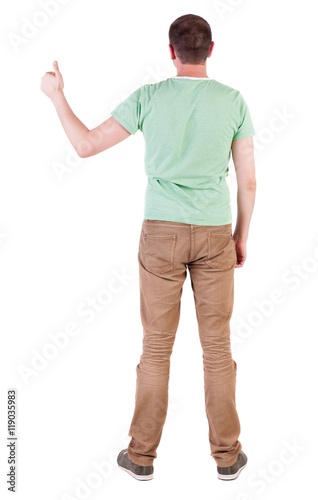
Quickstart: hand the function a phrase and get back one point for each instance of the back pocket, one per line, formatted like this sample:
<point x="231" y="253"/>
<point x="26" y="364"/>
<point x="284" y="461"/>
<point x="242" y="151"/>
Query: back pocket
<point x="221" y="252"/>
<point x="156" y="252"/>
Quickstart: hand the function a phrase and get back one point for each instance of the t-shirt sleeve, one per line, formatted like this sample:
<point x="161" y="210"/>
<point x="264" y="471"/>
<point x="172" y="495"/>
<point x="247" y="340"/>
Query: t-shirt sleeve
<point x="245" y="128"/>
<point x="127" y="113"/>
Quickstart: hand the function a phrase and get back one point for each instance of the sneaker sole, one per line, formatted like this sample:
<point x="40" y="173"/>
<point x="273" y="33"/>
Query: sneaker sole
<point x="227" y="477"/>
<point x="135" y="476"/>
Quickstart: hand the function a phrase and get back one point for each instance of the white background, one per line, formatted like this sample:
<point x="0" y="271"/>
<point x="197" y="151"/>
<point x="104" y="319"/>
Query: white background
<point x="63" y="237"/>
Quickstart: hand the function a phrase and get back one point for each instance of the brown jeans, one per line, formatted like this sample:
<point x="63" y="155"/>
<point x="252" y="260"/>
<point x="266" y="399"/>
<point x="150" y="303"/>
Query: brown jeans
<point x="166" y="251"/>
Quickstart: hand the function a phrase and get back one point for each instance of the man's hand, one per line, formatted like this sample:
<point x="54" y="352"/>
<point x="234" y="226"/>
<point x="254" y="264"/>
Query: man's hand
<point x="52" y="82"/>
<point x="240" y="247"/>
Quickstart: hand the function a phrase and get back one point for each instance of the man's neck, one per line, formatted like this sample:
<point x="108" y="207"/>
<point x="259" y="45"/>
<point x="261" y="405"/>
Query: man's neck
<point x="194" y="70"/>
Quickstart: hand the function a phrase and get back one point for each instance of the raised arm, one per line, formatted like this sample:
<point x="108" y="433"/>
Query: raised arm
<point x="86" y="142"/>
<point x="243" y="158"/>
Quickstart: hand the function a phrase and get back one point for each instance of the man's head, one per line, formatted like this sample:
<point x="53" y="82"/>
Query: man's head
<point x="190" y="38"/>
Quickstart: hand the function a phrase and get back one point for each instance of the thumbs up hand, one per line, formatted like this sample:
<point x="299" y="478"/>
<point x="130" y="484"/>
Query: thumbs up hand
<point x="52" y="82"/>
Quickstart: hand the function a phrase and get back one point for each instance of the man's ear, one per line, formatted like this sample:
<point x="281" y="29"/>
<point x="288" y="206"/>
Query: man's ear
<point x="172" y="52"/>
<point x="211" y="49"/>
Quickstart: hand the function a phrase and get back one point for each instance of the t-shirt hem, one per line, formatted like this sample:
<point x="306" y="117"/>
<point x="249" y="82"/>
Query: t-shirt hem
<point x="123" y="123"/>
<point x="244" y="135"/>
<point x="190" y="220"/>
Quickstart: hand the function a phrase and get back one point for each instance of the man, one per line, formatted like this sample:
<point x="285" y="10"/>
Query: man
<point x="191" y="125"/>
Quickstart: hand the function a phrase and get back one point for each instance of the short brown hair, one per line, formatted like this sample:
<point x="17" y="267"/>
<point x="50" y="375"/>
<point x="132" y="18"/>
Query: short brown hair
<point x="191" y="38"/>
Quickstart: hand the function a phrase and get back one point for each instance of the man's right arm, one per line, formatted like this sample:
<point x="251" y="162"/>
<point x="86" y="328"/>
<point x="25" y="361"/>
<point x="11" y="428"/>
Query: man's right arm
<point x="243" y="158"/>
<point x="85" y="142"/>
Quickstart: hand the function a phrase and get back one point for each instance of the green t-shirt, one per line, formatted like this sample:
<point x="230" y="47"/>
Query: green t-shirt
<point x="188" y="126"/>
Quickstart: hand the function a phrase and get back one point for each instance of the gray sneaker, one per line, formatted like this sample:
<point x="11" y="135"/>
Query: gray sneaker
<point x="230" y="473"/>
<point x="140" y="472"/>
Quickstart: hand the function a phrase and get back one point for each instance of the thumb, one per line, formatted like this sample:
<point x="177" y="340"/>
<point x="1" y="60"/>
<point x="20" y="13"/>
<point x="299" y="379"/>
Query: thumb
<point x="58" y="76"/>
<point x="56" y="66"/>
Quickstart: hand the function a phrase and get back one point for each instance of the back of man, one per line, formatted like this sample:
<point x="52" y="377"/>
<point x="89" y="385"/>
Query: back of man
<point x="188" y="124"/>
